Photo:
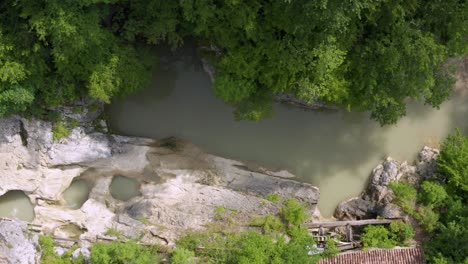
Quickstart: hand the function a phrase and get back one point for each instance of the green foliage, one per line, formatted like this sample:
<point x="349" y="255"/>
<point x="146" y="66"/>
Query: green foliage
<point x="432" y="193"/>
<point x="48" y="254"/>
<point x="113" y="232"/>
<point x="122" y="253"/>
<point x="448" y="218"/>
<point x="366" y="55"/>
<point x="405" y="195"/>
<point x="255" y="247"/>
<point x="401" y="231"/>
<point x="396" y="234"/>
<point x="182" y="256"/>
<point x="330" y="249"/>
<point x="268" y="223"/>
<point x="293" y="212"/>
<point x="273" y="197"/>
<point x="453" y="163"/>
<point x="220" y="210"/>
<point x="377" y="236"/>
<point x="60" y="130"/>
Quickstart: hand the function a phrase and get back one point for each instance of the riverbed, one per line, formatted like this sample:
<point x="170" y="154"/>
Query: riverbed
<point x="334" y="150"/>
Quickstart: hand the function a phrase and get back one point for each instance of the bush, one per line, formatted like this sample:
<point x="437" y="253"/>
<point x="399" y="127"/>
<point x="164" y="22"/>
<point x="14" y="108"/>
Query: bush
<point x="401" y="232"/>
<point x="377" y="236"/>
<point x="49" y="256"/>
<point x="123" y="253"/>
<point x="59" y="130"/>
<point x="268" y="223"/>
<point x="274" y="198"/>
<point x="293" y="212"/>
<point x="432" y="193"/>
<point x="254" y="248"/>
<point x="405" y="195"/>
<point x="182" y="256"/>
<point x="330" y="250"/>
<point x="453" y="163"/>
<point x="427" y="218"/>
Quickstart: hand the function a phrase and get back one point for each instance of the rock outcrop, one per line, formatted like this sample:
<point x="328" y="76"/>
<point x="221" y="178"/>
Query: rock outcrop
<point x="377" y="199"/>
<point x="181" y="188"/>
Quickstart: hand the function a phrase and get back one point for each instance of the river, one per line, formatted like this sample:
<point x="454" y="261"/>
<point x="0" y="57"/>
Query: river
<point x="335" y="151"/>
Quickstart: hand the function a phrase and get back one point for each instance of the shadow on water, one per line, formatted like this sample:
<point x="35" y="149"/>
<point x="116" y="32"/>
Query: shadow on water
<point x="334" y="150"/>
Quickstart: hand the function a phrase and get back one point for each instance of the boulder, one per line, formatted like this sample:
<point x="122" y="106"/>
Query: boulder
<point x="390" y="211"/>
<point x="79" y="147"/>
<point x="381" y="177"/>
<point x="426" y="166"/>
<point x="17" y="244"/>
<point x="355" y="208"/>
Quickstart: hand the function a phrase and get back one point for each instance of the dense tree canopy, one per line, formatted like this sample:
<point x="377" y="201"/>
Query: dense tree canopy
<point x="362" y="54"/>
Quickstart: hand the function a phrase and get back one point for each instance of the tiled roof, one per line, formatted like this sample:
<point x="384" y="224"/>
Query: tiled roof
<point x="380" y="256"/>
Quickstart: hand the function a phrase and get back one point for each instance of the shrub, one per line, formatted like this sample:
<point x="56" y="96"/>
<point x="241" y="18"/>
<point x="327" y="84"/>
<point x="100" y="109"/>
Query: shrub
<point x="401" y="231"/>
<point x="427" y="218"/>
<point x="254" y="248"/>
<point x="49" y="256"/>
<point x="59" y="130"/>
<point x="113" y="232"/>
<point x="293" y="212"/>
<point x="405" y="195"/>
<point x="268" y="223"/>
<point x="330" y="250"/>
<point x="182" y="256"/>
<point x="453" y="162"/>
<point x="432" y="193"/>
<point x="122" y="253"/>
<point x="273" y="197"/>
<point x="377" y="236"/>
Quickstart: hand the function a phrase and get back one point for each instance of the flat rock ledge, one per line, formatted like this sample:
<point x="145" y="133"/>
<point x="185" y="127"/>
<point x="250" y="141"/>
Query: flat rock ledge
<point x="181" y="186"/>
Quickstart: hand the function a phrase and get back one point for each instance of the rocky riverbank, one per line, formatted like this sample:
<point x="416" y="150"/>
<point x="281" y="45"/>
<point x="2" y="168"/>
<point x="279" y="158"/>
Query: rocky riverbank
<point x="377" y="199"/>
<point x="181" y="187"/>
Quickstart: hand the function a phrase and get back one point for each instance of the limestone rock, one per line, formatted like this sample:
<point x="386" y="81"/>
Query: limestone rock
<point x="98" y="218"/>
<point x="238" y="177"/>
<point x="427" y="164"/>
<point x="381" y="177"/>
<point x="15" y="245"/>
<point x="79" y="147"/>
<point x="355" y="208"/>
<point x="390" y="211"/>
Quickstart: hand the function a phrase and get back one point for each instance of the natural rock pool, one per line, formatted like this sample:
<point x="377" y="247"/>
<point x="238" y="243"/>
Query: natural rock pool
<point x="335" y="150"/>
<point x="123" y="188"/>
<point x="77" y="194"/>
<point x="15" y="204"/>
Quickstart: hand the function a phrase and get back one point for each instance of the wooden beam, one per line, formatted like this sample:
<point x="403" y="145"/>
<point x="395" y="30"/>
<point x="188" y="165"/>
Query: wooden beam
<point x="351" y="223"/>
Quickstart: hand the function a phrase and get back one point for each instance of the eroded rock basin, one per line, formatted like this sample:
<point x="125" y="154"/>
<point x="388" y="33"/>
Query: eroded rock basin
<point x="124" y="188"/>
<point x="15" y="204"/>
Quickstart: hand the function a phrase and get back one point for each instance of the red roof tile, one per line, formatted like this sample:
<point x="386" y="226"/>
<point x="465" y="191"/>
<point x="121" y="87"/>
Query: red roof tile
<point x="380" y="256"/>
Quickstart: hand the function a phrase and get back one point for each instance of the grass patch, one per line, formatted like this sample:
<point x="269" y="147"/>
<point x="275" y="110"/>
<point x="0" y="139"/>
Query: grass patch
<point x="113" y="232"/>
<point x="273" y="197"/>
<point x="60" y="130"/>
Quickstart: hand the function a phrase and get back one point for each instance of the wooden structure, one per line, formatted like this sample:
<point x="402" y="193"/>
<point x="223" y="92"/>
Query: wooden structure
<point x="319" y="233"/>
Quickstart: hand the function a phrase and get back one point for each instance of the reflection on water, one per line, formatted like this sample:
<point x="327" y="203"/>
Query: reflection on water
<point x="124" y="188"/>
<point x="335" y="151"/>
<point x="77" y="194"/>
<point x="15" y="204"/>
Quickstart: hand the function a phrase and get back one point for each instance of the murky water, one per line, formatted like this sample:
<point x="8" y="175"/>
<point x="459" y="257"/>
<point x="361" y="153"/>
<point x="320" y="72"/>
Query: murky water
<point x="77" y="194"/>
<point x="124" y="188"/>
<point x="15" y="204"/>
<point x="335" y="151"/>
